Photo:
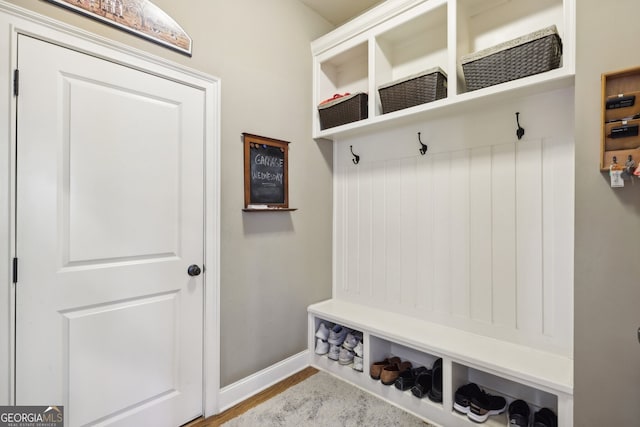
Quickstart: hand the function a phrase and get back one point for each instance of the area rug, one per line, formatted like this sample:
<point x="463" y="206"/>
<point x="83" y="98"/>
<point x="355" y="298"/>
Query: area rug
<point x="323" y="400"/>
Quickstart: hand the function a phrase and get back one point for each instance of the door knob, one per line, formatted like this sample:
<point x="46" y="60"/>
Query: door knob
<point x="193" y="270"/>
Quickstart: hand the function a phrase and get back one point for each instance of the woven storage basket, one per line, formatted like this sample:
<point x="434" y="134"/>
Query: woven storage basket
<point x="534" y="53"/>
<point x="413" y="90"/>
<point x="344" y="110"/>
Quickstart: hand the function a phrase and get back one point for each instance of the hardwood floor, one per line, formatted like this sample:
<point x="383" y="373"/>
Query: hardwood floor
<point x="263" y="396"/>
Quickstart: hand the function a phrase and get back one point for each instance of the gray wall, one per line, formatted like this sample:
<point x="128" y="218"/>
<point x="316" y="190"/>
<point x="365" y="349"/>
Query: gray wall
<point x="272" y="264"/>
<point x="607" y="232"/>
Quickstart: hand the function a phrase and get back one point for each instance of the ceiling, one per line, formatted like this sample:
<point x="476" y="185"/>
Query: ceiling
<point x="338" y="12"/>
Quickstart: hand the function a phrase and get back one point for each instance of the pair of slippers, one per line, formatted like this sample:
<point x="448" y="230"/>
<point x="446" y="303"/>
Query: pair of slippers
<point x="428" y="383"/>
<point x="407" y="379"/>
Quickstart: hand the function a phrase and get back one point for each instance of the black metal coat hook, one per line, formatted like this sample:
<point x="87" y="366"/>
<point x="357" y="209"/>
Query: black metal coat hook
<point x="356" y="158"/>
<point x="520" y="131"/>
<point x="423" y="149"/>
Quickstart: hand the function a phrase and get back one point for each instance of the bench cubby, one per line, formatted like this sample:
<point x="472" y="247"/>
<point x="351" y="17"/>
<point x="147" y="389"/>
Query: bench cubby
<point x="496" y="385"/>
<point x="323" y="362"/>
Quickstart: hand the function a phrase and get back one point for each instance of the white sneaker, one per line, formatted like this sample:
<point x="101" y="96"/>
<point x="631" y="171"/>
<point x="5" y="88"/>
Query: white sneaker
<point x="345" y="357"/>
<point x="322" y="332"/>
<point x="358" y="349"/>
<point x="352" y="339"/>
<point x="337" y="335"/>
<point x="334" y="352"/>
<point x="357" y="363"/>
<point x="322" y="347"/>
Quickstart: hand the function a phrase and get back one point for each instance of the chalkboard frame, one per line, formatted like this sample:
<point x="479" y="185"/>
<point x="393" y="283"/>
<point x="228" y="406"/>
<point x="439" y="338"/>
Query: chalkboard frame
<point x="251" y="204"/>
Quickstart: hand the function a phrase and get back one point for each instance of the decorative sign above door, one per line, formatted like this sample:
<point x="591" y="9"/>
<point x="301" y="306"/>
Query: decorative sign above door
<point x="140" y="17"/>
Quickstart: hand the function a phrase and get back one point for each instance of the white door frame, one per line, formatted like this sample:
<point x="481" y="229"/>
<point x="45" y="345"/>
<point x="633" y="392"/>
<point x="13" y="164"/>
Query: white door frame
<point x="15" y="20"/>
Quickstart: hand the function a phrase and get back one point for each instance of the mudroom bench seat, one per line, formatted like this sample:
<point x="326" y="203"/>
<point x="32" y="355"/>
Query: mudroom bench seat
<point x="541" y="378"/>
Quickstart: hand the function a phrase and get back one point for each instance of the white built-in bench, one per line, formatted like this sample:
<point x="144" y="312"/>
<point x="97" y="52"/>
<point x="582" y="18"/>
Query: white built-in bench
<point x="514" y="371"/>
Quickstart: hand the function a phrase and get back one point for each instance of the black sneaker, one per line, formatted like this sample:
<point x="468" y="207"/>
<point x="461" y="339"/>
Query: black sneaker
<point x="485" y="405"/>
<point x="545" y="418"/>
<point x="519" y="413"/>
<point x="464" y="395"/>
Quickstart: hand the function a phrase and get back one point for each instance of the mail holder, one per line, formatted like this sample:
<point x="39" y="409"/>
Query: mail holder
<point x="620" y="121"/>
<point x="622" y="135"/>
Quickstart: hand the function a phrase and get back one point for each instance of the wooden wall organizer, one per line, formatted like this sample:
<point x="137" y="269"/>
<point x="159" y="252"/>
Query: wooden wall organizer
<point x="620" y="117"/>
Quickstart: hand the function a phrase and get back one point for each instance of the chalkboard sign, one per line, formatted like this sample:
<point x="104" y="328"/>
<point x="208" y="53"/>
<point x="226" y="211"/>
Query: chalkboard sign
<point x="265" y="173"/>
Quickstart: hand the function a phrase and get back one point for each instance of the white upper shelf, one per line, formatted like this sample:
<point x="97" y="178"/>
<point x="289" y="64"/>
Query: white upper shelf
<point x="401" y="38"/>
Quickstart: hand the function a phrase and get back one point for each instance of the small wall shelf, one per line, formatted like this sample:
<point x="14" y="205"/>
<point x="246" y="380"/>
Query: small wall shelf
<point x="269" y="209"/>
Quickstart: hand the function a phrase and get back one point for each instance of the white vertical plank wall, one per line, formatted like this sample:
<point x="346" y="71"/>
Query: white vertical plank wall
<point x="477" y="234"/>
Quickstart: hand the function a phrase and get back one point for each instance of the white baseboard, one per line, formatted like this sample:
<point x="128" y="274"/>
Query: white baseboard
<point x="241" y="390"/>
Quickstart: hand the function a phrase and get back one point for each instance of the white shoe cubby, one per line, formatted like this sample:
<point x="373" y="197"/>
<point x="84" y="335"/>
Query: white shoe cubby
<point x="323" y="361"/>
<point x="498" y="386"/>
<point x="500" y="368"/>
<point x="381" y="348"/>
<point x="401" y="38"/>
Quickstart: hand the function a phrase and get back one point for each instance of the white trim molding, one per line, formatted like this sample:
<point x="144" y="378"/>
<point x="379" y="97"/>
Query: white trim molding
<point x="239" y="391"/>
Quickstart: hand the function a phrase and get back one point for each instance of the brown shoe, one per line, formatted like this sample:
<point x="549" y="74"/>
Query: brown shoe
<point x="390" y="373"/>
<point x="377" y="367"/>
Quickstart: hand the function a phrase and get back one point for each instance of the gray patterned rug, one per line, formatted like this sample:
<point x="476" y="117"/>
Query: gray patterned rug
<point x="323" y="400"/>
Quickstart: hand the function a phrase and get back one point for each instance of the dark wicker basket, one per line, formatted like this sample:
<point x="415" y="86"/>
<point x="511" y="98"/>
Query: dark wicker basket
<point x="347" y="109"/>
<point x="413" y="90"/>
<point x="525" y="56"/>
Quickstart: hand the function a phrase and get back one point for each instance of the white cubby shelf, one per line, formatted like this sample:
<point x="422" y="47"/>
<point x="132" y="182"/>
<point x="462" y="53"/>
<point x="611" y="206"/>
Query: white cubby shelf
<point x="400" y="38"/>
<point x="513" y="371"/>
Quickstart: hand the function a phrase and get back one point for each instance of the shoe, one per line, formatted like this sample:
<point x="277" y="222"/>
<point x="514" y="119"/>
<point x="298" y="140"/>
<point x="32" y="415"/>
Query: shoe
<point x="352" y="340"/>
<point x="357" y="364"/>
<point x="519" y="413"/>
<point x="545" y="418"/>
<point x="322" y="347"/>
<point x="390" y="373"/>
<point x="422" y="385"/>
<point x="435" y="393"/>
<point x="463" y="397"/>
<point x="376" y="368"/>
<point x="407" y="379"/>
<point x="484" y="405"/>
<point x="334" y="352"/>
<point x="322" y="332"/>
<point x="358" y="349"/>
<point x="337" y="334"/>
<point x="345" y="357"/>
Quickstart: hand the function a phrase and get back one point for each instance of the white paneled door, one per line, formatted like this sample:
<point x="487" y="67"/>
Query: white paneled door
<point x="109" y="218"/>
